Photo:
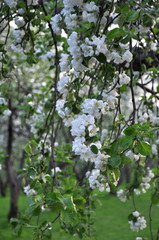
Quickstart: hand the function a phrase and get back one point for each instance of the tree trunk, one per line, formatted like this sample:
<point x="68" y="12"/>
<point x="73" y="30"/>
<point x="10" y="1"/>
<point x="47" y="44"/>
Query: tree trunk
<point x="124" y="174"/>
<point x="12" y="179"/>
<point x="3" y="187"/>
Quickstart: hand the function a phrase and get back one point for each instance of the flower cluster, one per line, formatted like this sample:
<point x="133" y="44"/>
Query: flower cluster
<point x="122" y="195"/>
<point x="138" y="222"/>
<point x="83" y="125"/>
<point x="145" y="184"/>
<point x="18" y="35"/>
<point x="123" y="79"/>
<point x="90" y="12"/>
<point x="11" y="3"/>
<point x="29" y="191"/>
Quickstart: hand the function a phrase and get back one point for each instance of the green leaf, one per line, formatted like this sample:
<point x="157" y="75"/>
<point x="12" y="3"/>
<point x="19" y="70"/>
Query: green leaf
<point x="115" y="161"/>
<point x="85" y="61"/>
<point x="126" y="160"/>
<point x="115" y="33"/>
<point x="131" y="217"/>
<point x="80" y="202"/>
<point x="147" y="20"/>
<point x="132" y="16"/>
<point x="18" y="230"/>
<point x="116" y="174"/>
<point x="67" y="202"/>
<point x="130" y="131"/>
<point x="47" y="18"/>
<point x="123" y="88"/>
<point x="36" y="211"/>
<point x="101" y="58"/>
<point x="143" y="148"/>
<point x="113" y="188"/>
<point x="32" y="185"/>
<point x="28" y="149"/>
<point x="75" y="109"/>
<point x="125" y="142"/>
<point x="94" y="149"/>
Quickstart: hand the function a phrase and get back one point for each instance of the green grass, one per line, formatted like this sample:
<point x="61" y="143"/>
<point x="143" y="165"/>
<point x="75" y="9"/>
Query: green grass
<point x="111" y="219"/>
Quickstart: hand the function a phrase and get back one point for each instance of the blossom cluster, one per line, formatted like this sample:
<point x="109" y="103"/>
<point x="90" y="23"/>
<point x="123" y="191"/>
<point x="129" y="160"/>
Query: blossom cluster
<point x="138" y="222"/>
<point x="89" y="13"/>
<point x="84" y="125"/>
<point x="145" y="184"/>
<point x="143" y="187"/>
<point x="29" y="191"/>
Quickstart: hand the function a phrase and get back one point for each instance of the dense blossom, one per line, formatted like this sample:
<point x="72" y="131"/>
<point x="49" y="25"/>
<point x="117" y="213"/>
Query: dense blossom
<point x="98" y="98"/>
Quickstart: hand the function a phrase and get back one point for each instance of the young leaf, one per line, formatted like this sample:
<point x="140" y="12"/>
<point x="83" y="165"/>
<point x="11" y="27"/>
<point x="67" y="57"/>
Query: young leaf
<point x="115" y="161"/>
<point x="115" y="33"/>
<point x="143" y="148"/>
<point x="101" y="58"/>
<point x="94" y="149"/>
<point x="132" y="16"/>
<point x="130" y="131"/>
<point x="67" y="202"/>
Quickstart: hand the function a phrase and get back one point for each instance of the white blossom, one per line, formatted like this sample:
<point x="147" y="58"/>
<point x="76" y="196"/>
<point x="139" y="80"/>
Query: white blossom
<point x="100" y="161"/>
<point x="139" y="224"/>
<point x="16" y="48"/>
<point x="137" y="191"/>
<point x="18" y="35"/>
<point x="32" y="2"/>
<point x="87" y="50"/>
<point x="104" y="134"/>
<point x="154" y="149"/>
<point x="121" y="194"/>
<point x="116" y="57"/>
<point x="110" y="98"/>
<point x="72" y="3"/>
<point x="75" y="52"/>
<point x="136" y="214"/>
<point x="99" y="43"/>
<point x="55" y="23"/>
<point x="80" y="123"/>
<point x="127" y="56"/>
<point x="2" y="101"/>
<point x="153" y="46"/>
<point x="94" y="107"/>
<point x="123" y="79"/>
<point x="57" y="169"/>
<point x="62" y="111"/>
<point x="29" y="191"/>
<point x="11" y="3"/>
<point x="21" y="11"/>
<point x="19" y="21"/>
<point x="63" y="84"/>
<point x="90" y="12"/>
<point x="64" y="65"/>
<point x="7" y="113"/>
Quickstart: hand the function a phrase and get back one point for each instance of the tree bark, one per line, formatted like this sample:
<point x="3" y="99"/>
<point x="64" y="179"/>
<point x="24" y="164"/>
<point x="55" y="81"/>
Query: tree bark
<point x="3" y="186"/>
<point x="125" y="174"/>
<point x="12" y="179"/>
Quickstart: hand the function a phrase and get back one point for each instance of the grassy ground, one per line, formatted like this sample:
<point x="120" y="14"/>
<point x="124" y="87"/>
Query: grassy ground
<point x="111" y="219"/>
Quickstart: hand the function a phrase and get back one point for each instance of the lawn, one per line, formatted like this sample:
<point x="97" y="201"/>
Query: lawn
<point x="111" y="219"/>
